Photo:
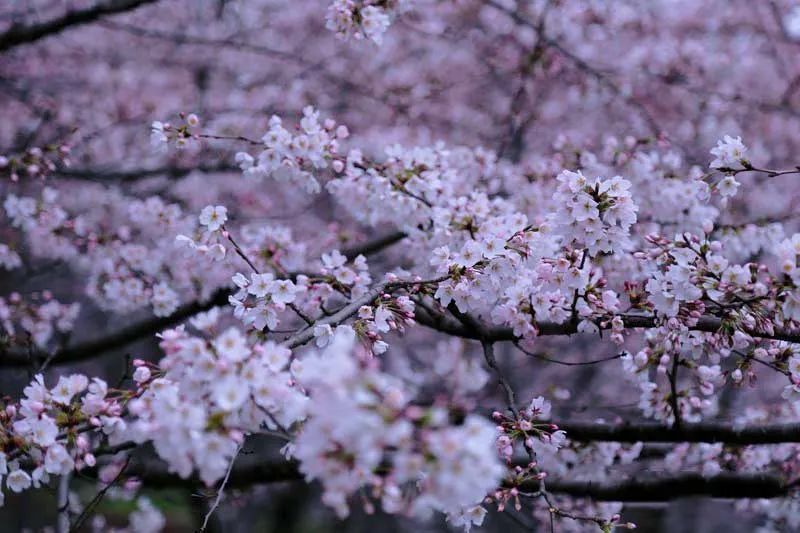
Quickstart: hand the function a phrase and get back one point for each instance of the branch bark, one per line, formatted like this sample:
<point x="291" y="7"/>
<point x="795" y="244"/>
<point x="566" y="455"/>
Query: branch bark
<point x="62" y="499"/>
<point x="305" y="335"/>
<point x="650" y="489"/>
<point x="19" y="34"/>
<point x="660" y="489"/>
<point x="107" y="175"/>
<point x="708" y="324"/>
<point x="703" y="432"/>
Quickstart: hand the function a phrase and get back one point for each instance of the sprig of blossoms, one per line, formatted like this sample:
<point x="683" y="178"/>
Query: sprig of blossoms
<point x="530" y="428"/>
<point x="359" y="19"/>
<point x="594" y="214"/>
<point x="729" y="154"/>
<point x="36" y="162"/>
<point x="51" y="431"/>
<point x="293" y="158"/>
<point x="549" y="446"/>
<point x="181" y="136"/>
<point x="207" y="394"/>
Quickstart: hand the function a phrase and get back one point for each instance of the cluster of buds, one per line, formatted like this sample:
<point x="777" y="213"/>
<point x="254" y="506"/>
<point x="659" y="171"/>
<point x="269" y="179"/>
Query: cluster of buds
<point x="390" y="314"/>
<point x="36" y="162"/>
<point x="529" y="428"/>
<point x="519" y="475"/>
<point x="161" y="133"/>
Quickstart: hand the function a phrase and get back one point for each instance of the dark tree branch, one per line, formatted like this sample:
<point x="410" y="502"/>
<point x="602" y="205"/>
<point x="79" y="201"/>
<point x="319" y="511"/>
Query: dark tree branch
<point x="702" y="432"/>
<point x="474" y="325"/>
<point x="106" y="175"/>
<point x="119" y="338"/>
<point x="151" y="326"/>
<point x="246" y="473"/>
<point x="374" y="246"/>
<point x="19" y="34"/>
<point x="708" y="324"/>
<point x="650" y="489"/>
<point x="659" y="489"/>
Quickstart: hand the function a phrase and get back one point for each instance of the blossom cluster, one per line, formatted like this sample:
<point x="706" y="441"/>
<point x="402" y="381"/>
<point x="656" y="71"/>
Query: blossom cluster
<point x="54" y="431"/>
<point x="356" y="427"/>
<point x="360" y="19"/>
<point x="206" y="395"/>
<point x="292" y="158"/>
<point x="531" y="428"/>
<point x="130" y="266"/>
<point x="366" y="432"/>
<point x="549" y="451"/>
<point x="38" y="318"/>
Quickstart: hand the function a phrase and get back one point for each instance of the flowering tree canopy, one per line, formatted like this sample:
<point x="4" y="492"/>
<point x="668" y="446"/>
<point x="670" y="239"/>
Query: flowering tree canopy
<point x="496" y="264"/>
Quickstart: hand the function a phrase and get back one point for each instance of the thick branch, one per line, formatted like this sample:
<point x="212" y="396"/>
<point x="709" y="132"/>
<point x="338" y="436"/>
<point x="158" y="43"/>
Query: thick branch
<point x="374" y="246"/>
<point x="119" y="338"/>
<point x="703" y="432"/>
<point x="19" y="34"/>
<point x="708" y="324"/>
<point x="659" y="489"/>
<point x="151" y="326"/>
<point x="650" y="489"/>
<point x="99" y="174"/>
<point x="305" y="335"/>
<point x="243" y="475"/>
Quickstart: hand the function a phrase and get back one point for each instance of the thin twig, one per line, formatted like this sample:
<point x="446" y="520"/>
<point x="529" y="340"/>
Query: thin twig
<point x="544" y="357"/>
<point x="673" y="396"/>
<point x="90" y="507"/>
<point x="62" y="524"/>
<point x="221" y="490"/>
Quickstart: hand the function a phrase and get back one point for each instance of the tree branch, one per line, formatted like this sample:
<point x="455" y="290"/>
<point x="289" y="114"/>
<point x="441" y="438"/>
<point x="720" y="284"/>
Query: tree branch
<point x="660" y="489"/>
<point x="305" y="335"/>
<point x="708" y="324"/>
<point x="100" y="174"/>
<point x="702" y="432"/>
<point x="374" y="246"/>
<point x="19" y="34"/>
<point x="650" y="489"/>
<point x="119" y="338"/>
<point x="151" y="326"/>
<point x="62" y="500"/>
<point x="220" y="491"/>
